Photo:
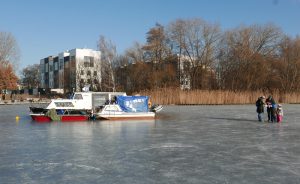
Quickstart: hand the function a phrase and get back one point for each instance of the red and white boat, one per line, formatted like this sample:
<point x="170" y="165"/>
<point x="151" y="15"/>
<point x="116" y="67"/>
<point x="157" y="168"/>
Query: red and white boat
<point x="78" y="108"/>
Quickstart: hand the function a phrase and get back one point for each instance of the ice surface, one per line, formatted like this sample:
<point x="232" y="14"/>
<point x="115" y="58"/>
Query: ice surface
<point x="185" y="144"/>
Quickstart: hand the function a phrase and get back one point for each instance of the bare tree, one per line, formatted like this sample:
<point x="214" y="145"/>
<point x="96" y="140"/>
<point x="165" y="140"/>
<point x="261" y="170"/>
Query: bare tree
<point x="244" y="56"/>
<point x="9" y="50"/>
<point x="108" y="55"/>
<point x="288" y="66"/>
<point x="176" y="33"/>
<point x="195" y="41"/>
<point x="135" y="53"/>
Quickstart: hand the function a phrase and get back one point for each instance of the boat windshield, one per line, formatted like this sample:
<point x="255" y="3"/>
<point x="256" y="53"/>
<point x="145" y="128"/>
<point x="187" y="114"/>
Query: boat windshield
<point x="63" y="104"/>
<point x="111" y="108"/>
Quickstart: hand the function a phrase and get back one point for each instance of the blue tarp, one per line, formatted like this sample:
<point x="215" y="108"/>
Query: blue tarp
<point x="133" y="103"/>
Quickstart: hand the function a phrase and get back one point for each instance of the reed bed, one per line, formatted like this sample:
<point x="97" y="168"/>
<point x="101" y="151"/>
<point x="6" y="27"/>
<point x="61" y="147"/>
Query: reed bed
<point x="169" y="96"/>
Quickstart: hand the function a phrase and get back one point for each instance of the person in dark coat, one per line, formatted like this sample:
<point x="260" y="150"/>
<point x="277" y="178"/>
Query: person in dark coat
<point x="269" y="107"/>
<point x="260" y="108"/>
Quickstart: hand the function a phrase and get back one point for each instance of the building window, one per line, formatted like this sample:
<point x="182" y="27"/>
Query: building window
<point x="42" y="68"/>
<point x="88" y="72"/>
<point x="95" y="73"/>
<point x="56" y="66"/>
<point x="82" y="72"/>
<point x="47" y="67"/>
<point x="67" y="64"/>
<point x="61" y="64"/>
<point x="72" y="58"/>
<point x="73" y="64"/>
<point x="88" y="61"/>
<point x="91" y="62"/>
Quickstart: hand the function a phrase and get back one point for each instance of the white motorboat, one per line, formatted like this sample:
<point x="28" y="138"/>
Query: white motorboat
<point x="127" y="107"/>
<point x="114" y="112"/>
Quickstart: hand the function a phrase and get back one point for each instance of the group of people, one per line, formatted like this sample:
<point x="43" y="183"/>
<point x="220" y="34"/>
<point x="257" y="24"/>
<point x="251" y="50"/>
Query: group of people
<point x="275" y="111"/>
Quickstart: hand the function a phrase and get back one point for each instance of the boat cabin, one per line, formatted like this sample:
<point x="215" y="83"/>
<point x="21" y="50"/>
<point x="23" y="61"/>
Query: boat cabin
<point x="84" y="100"/>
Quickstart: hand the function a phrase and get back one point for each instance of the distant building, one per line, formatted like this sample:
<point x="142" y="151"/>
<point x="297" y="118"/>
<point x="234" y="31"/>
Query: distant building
<point x="184" y="63"/>
<point x="71" y="70"/>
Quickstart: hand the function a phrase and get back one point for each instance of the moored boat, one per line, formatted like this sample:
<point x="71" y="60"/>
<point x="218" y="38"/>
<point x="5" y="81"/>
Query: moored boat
<point x="78" y="108"/>
<point x="126" y="107"/>
<point x="114" y="112"/>
<point x="96" y="105"/>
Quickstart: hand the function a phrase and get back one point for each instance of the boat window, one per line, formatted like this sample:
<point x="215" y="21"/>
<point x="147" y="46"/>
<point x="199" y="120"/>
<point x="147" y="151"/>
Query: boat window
<point x="78" y="97"/>
<point x="63" y="104"/>
<point x="111" y="108"/>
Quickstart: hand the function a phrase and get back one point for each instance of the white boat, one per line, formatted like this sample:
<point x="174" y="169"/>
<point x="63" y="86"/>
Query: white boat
<point x="79" y="101"/>
<point x="127" y="107"/>
<point x="114" y="112"/>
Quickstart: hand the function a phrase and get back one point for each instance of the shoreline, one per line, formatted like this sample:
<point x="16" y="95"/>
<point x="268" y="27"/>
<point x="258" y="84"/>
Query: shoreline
<point x="21" y="103"/>
<point x="25" y="103"/>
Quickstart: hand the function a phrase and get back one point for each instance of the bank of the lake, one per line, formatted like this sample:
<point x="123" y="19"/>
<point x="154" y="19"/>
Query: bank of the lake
<point x="176" y="96"/>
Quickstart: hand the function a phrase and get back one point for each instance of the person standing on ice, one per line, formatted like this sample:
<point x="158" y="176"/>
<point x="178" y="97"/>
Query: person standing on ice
<point x="279" y="113"/>
<point x="260" y="108"/>
<point x="269" y="107"/>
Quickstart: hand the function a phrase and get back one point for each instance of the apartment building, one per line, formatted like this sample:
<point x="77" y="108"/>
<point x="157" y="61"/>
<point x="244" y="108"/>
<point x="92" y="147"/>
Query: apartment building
<point x="71" y="70"/>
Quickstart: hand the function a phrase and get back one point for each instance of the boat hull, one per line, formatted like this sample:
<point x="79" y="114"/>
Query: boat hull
<point x="74" y="118"/>
<point x="63" y="118"/>
<point x="126" y="116"/>
<point x="40" y="118"/>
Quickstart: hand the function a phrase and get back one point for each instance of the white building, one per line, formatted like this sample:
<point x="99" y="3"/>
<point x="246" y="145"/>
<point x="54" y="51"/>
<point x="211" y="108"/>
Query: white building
<point x="71" y="70"/>
<point x="61" y="59"/>
<point x="185" y="64"/>
<point x="184" y="77"/>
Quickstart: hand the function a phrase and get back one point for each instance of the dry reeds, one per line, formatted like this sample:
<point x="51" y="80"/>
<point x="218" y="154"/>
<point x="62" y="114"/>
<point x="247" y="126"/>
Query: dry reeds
<point x="213" y="97"/>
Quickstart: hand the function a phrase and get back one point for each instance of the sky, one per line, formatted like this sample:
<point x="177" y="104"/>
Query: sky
<point x="48" y="27"/>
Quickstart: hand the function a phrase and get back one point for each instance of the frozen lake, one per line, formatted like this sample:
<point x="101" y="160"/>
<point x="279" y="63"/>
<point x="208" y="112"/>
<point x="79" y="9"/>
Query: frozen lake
<point x="186" y="144"/>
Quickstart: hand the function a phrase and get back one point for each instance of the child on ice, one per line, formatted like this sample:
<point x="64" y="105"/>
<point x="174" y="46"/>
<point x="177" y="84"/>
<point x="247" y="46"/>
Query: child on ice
<point x="279" y="113"/>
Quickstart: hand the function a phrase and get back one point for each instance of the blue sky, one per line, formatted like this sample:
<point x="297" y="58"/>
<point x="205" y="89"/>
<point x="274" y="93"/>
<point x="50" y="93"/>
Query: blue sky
<point x="47" y="27"/>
